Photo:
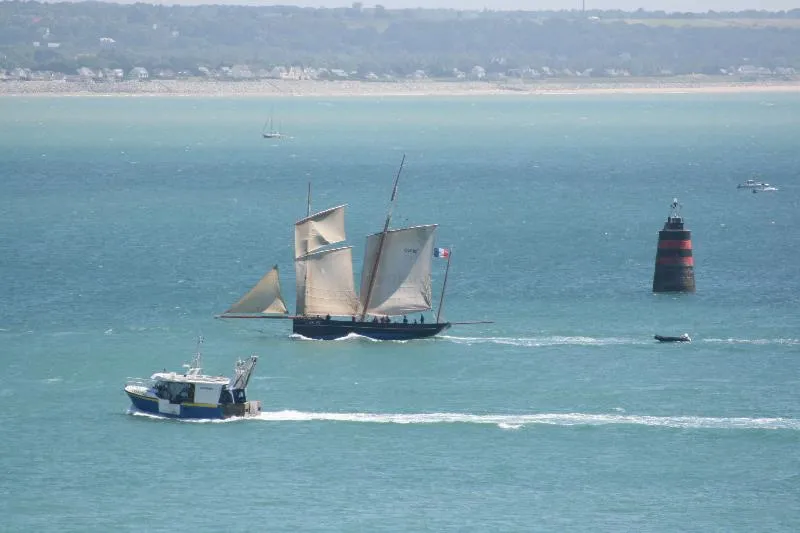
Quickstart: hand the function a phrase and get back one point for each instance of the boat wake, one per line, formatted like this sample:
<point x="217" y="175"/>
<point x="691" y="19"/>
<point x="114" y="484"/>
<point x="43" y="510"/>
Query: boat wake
<point x="548" y="341"/>
<point x="789" y="342"/>
<point x="507" y="421"/>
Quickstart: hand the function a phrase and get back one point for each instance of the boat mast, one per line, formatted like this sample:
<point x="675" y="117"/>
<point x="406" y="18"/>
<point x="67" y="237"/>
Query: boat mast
<point x="444" y="284"/>
<point x="383" y="238"/>
<point x="305" y="267"/>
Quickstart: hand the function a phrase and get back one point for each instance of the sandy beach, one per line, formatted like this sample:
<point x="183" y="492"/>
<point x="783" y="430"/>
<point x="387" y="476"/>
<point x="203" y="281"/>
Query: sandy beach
<point x="266" y="88"/>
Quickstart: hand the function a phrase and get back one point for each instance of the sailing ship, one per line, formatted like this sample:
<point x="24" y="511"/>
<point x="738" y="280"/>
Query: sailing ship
<point x="395" y="281"/>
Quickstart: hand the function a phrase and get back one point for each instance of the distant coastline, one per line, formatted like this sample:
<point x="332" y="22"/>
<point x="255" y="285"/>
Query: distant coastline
<point x="309" y="88"/>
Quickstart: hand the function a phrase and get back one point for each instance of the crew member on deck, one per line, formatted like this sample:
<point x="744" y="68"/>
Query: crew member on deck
<point x="405" y="319"/>
<point x="421" y="319"/>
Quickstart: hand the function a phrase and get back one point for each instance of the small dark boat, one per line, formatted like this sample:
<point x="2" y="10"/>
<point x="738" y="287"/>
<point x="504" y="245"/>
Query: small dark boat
<point x="683" y="338"/>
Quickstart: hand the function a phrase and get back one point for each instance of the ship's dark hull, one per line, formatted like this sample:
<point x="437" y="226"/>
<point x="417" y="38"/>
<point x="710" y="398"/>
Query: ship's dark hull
<point x="320" y="328"/>
<point x="662" y="338"/>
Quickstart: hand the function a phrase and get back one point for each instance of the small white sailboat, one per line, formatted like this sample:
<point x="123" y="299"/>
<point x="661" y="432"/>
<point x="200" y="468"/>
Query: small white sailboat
<point x="269" y="131"/>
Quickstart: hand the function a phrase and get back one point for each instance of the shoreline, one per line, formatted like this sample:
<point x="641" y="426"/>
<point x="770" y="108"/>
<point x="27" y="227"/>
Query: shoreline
<point x="308" y="88"/>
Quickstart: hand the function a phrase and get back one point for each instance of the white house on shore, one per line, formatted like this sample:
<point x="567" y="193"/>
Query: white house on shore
<point x="138" y="73"/>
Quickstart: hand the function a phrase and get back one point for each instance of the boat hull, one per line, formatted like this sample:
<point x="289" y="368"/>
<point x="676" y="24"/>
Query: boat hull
<point x="149" y="404"/>
<point x="322" y="329"/>
<point x="662" y="338"/>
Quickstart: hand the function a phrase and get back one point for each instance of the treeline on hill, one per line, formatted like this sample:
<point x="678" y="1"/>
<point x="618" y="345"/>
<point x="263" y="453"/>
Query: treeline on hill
<point x="62" y="37"/>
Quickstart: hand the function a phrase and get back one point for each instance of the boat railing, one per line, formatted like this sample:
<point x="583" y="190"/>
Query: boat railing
<point x="139" y="382"/>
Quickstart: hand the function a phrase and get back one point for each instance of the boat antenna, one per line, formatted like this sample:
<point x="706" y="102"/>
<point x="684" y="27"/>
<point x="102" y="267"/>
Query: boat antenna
<point x="382" y="240"/>
<point x="196" y="365"/>
<point x="444" y="284"/>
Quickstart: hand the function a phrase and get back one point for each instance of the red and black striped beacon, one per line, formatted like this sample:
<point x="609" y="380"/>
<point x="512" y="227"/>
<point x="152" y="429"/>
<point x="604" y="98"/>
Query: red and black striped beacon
<point x="674" y="262"/>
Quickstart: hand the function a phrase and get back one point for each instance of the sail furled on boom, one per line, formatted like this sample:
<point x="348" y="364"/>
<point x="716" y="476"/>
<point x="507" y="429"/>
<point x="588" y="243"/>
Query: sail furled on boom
<point x="403" y="277"/>
<point x="318" y="230"/>
<point x="265" y="297"/>
<point x="325" y="283"/>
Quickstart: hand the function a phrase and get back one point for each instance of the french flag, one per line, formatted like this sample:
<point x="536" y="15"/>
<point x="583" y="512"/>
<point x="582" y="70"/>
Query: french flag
<point x="444" y="253"/>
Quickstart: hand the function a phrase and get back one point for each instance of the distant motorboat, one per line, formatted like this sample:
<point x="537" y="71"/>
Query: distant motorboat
<point x="751" y="184"/>
<point x="766" y="187"/>
<point x="682" y="338"/>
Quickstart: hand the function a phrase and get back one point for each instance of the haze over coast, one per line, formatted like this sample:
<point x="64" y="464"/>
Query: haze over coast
<point x="361" y="49"/>
<point x="310" y="88"/>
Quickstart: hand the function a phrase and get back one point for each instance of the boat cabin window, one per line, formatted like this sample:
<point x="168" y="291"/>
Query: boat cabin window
<point x="175" y="392"/>
<point x="239" y="396"/>
<point x="225" y="395"/>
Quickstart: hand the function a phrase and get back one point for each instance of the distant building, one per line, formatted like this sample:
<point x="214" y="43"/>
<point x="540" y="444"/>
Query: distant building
<point x="477" y="73"/>
<point x="138" y="73"/>
<point x="164" y="73"/>
<point x="19" y="74"/>
<point x="241" y="72"/>
<point x="86" y="73"/>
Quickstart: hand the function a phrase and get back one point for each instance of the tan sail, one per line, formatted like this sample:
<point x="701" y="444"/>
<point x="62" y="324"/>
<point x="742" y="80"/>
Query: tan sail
<point x="325" y="283"/>
<point x="318" y="230"/>
<point x="403" y="278"/>
<point x="264" y="298"/>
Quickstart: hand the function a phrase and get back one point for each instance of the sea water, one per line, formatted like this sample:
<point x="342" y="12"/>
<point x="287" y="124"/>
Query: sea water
<point x="128" y="223"/>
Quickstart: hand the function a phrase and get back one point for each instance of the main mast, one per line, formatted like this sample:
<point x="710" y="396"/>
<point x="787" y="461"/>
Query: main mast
<point x="380" y="244"/>
<point x="305" y="269"/>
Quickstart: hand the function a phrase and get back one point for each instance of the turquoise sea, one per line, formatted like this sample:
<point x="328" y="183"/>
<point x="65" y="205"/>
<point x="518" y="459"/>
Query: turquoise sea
<point x="128" y="223"/>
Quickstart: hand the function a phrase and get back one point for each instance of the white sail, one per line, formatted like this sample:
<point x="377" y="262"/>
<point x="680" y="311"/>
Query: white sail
<point x="325" y="283"/>
<point x="265" y="297"/>
<point x="318" y="230"/>
<point x="403" y="278"/>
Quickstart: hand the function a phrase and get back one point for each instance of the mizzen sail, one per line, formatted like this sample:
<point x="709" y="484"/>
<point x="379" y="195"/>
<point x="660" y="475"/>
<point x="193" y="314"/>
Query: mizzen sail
<point x="403" y="276"/>
<point x="264" y="298"/>
<point x="325" y="283"/>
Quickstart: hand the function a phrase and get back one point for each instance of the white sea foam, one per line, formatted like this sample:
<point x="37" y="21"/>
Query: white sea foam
<point x="507" y="421"/>
<point x="510" y="421"/>
<point x="790" y="342"/>
<point x="548" y="341"/>
<point x="349" y="337"/>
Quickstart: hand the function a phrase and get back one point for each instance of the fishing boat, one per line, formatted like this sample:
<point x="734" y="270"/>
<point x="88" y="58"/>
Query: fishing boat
<point x="681" y="338"/>
<point x="192" y="394"/>
<point x="395" y="281"/>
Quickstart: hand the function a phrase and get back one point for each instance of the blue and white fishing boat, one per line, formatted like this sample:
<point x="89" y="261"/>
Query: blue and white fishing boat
<point x="192" y="394"/>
